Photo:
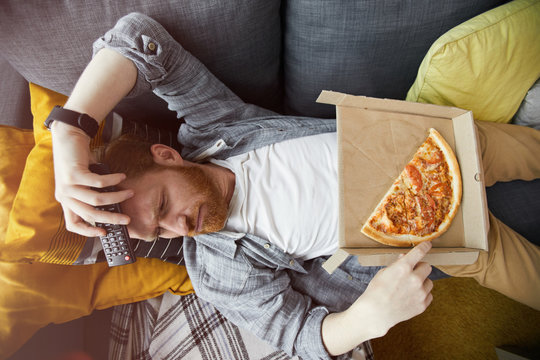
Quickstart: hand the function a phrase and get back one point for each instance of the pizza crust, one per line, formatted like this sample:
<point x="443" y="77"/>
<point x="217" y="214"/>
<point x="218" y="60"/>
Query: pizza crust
<point x="404" y="240"/>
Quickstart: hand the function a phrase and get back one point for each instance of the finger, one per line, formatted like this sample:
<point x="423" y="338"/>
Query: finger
<point x="96" y="198"/>
<point x="91" y="179"/>
<point x="75" y="224"/>
<point x="416" y="254"/>
<point x="107" y="217"/>
<point x="428" y="300"/>
<point x="423" y="269"/>
<point x="428" y="286"/>
<point x="93" y="215"/>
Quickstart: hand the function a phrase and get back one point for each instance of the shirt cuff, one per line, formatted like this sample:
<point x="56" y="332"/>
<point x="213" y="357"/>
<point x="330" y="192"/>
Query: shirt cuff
<point x="309" y="342"/>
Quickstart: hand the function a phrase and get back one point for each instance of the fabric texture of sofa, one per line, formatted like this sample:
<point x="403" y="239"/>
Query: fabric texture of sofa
<point x="278" y="54"/>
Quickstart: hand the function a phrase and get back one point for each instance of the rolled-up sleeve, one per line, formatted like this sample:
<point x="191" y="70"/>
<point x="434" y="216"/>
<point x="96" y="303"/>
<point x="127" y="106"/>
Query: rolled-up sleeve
<point x="153" y="51"/>
<point x="172" y="73"/>
<point x="259" y="299"/>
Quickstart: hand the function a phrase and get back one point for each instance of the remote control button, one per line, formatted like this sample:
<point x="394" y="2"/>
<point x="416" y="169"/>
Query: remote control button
<point x="127" y="258"/>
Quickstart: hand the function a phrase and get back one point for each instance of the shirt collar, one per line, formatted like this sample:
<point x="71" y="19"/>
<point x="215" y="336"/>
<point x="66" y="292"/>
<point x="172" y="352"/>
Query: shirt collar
<point x="223" y="241"/>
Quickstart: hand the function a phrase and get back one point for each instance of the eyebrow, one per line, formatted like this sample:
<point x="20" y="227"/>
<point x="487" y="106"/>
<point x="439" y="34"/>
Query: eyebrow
<point x="154" y="216"/>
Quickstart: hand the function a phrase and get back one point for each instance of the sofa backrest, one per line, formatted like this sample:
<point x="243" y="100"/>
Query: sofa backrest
<point x="14" y="98"/>
<point x="370" y="47"/>
<point x="273" y="53"/>
<point x="50" y="42"/>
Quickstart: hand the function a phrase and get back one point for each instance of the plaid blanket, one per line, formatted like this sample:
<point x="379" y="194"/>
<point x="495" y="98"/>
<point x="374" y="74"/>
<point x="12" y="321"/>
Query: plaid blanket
<point x="186" y="327"/>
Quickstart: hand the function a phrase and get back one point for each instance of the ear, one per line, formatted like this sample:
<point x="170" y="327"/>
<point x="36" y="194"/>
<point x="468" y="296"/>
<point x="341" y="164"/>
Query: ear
<point x="166" y="155"/>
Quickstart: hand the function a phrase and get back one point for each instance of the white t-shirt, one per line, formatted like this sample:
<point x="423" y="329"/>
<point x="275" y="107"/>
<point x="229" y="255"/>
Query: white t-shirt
<point x="288" y="193"/>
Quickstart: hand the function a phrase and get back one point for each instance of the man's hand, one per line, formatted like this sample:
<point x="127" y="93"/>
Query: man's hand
<point x="397" y="293"/>
<point x="400" y="291"/>
<point x="73" y="180"/>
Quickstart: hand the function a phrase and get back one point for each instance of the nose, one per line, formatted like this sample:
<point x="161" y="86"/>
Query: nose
<point x="174" y="226"/>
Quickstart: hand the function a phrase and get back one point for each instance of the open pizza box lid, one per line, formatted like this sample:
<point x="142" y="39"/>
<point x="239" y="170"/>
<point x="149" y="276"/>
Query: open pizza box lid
<point x="376" y="139"/>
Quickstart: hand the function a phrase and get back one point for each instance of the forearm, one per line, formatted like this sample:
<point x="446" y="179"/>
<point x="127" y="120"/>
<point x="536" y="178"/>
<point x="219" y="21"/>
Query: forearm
<point x="397" y="293"/>
<point x="106" y="80"/>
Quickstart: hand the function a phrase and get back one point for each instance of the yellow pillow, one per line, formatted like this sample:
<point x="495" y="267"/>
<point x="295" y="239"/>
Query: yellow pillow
<point x="36" y="229"/>
<point x="486" y="64"/>
<point x="37" y="294"/>
<point x="15" y="144"/>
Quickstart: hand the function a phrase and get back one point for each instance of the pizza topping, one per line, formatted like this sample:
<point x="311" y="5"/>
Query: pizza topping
<point x="433" y="157"/>
<point x="440" y="190"/>
<point x="430" y="201"/>
<point x="414" y="176"/>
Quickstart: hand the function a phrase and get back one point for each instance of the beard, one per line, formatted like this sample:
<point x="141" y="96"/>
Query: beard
<point x="212" y="202"/>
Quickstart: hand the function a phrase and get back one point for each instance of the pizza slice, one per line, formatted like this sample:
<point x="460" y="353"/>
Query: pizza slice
<point x="422" y="201"/>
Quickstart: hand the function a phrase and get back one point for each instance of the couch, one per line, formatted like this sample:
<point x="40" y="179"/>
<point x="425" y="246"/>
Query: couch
<point x="279" y="54"/>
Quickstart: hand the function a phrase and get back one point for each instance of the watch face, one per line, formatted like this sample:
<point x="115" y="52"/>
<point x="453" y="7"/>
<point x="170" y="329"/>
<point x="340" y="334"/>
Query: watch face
<point x="88" y="124"/>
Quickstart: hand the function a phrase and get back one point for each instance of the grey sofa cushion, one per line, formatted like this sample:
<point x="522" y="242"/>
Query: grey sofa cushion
<point x="371" y="48"/>
<point x="49" y="42"/>
<point x="14" y="98"/>
<point x="528" y="113"/>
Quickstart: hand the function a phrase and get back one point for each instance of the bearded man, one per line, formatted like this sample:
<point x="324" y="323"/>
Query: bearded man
<point x="254" y="195"/>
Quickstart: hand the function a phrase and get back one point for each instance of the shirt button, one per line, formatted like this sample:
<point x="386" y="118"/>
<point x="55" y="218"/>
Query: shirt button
<point x="151" y="46"/>
<point x="267" y="246"/>
<point x="349" y="277"/>
<point x="291" y="262"/>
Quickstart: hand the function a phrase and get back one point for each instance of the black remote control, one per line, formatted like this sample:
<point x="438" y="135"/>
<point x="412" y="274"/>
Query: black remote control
<point x="116" y="244"/>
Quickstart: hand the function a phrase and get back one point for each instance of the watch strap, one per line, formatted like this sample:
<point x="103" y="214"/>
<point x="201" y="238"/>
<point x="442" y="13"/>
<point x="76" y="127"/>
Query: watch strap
<point x="83" y="121"/>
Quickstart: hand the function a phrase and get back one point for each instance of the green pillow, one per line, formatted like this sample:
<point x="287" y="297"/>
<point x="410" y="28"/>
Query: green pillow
<point x="486" y="64"/>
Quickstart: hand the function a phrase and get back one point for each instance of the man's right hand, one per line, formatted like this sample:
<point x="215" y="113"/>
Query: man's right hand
<point x="71" y="153"/>
<point x="400" y="291"/>
<point x="397" y="293"/>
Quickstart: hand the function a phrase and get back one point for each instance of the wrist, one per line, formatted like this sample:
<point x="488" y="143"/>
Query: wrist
<point x="362" y="321"/>
<point x="341" y="332"/>
<point x="370" y="316"/>
<point x="336" y="337"/>
<point x="60" y="130"/>
<point x="73" y="118"/>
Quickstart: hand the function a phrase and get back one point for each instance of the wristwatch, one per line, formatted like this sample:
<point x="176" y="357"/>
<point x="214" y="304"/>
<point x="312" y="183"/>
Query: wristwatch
<point x="83" y="121"/>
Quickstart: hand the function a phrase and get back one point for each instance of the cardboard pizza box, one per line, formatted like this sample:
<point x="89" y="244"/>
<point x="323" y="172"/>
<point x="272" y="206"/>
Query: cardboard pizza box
<point x="376" y="139"/>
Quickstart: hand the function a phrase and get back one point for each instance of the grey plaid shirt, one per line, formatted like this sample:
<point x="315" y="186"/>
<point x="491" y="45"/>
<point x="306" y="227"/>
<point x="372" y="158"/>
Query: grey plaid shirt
<point x="253" y="283"/>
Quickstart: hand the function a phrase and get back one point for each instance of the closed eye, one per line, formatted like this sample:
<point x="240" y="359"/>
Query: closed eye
<point x="161" y="213"/>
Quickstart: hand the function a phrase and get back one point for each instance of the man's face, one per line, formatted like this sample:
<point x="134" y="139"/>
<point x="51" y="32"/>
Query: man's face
<point x="174" y="201"/>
